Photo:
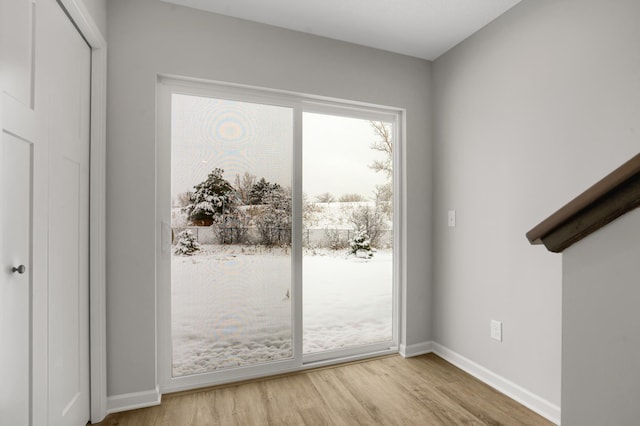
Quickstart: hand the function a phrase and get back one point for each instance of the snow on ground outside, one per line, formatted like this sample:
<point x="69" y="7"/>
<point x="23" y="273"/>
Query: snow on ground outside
<point x="229" y="305"/>
<point x="347" y="300"/>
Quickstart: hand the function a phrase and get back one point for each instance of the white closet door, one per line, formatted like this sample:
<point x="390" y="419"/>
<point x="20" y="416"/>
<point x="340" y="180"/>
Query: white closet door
<point x="44" y="154"/>
<point x="17" y="143"/>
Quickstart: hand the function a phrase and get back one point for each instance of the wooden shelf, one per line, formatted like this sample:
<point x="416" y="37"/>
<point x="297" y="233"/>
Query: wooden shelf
<point x="610" y="198"/>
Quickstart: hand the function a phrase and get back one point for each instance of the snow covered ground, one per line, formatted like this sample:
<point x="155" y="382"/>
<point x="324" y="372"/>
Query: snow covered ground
<point x="230" y="305"/>
<point x="347" y="300"/>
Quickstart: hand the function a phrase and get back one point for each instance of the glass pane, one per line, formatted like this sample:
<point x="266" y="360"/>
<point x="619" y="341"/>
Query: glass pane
<point x="347" y="232"/>
<point x="231" y="220"/>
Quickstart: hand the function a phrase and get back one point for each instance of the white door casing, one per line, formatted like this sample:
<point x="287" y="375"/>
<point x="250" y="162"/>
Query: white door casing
<point x="44" y="119"/>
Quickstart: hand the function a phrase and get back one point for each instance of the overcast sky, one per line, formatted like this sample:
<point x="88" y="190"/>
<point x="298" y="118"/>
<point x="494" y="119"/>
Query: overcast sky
<point x="246" y="137"/>
<point x="336" y="156"/>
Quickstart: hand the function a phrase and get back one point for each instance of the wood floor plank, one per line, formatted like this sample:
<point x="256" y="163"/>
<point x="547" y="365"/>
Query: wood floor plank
<point x="378" y="397"/>
<point x="343" y="406"/>
<point x="424" y="390"/>
<point x="490" y="405"/>
<point x="234" y="405"/>
<point x="285" y="407"/>
<point x="391" y="401"/>
<point x="438" y="408"/>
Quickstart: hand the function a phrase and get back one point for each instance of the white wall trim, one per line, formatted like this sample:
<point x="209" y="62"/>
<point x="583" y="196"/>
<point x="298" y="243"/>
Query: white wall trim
<point x="133" y="401"/>
<point x="416" y="349"/>
<point x="541" y="406"/>
<point x="80" y="15"/>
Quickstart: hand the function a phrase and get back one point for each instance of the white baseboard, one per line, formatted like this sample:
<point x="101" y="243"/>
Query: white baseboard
<point x="132" y="401"/>
<point x="535" y="403"/>
<point x="416" y="349"/>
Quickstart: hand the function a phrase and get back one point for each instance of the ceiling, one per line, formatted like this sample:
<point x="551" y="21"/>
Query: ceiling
<point x="421" y="28"/>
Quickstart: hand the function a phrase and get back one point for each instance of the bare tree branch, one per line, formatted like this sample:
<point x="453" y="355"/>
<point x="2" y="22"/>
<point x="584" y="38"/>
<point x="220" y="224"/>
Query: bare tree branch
<point x="243" y="186"/>
<point x="385" y="145"/>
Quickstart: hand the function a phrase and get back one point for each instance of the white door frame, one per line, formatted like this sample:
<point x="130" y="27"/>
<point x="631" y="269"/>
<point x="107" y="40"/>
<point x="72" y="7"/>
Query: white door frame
<point x="83" y="20"/>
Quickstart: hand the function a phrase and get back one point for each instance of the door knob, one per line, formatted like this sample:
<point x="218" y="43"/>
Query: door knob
<point x="20" y="269"/>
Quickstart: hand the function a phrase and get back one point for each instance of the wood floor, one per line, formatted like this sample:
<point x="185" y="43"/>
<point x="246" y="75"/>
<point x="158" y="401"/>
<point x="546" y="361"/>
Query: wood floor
<point x="424" y="390"/>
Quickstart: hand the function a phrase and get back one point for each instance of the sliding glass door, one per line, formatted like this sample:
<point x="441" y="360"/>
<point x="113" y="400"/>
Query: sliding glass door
<point x="276" y="221"/>
<point x="347" y="235"/>
<point x="231" y="219"/>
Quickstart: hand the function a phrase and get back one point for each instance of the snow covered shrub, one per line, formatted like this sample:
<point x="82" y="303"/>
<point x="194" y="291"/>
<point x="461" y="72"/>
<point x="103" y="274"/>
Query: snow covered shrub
<point x="370" y="220"/>
<point x="273" y="217"/>
<point x="187" y="244"/>
<point x="232" y="227"/>
<point x="335" y="240"/>
<point x="360" y="245"/>
<point x="311" y="211"/>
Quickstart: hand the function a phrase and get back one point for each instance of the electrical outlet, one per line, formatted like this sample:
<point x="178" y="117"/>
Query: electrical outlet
<point x="451" y="219"/>
<point x="496" y="330"/>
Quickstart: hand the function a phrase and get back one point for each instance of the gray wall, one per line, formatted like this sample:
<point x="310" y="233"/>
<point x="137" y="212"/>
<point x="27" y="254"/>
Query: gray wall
<point x="148" y="37"/>
<point x="601" y="326"/>
<point x="529" y="112"/>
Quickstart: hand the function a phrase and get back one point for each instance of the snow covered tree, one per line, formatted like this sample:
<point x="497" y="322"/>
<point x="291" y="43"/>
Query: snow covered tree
<point x="260" y="190"/>
<point x="211" y="199"/>
<point x="187" y="244"/>
<point x="232" y="227"/>
<point x="243" y="185"/>
<point x="369" y="220"/>
<point x="273" y="217"/>
<point x="383" y="195"/>
<point x="360" y="245"/>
